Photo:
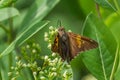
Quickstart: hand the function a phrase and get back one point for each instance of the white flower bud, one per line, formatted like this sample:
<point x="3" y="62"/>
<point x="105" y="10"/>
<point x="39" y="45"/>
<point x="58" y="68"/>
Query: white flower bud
<point x="17" y="73"/>
<point x="27" y="46"/>
<point x="42" y="78"/>
<point x="69" y="31"/>
<point x="53" y="74"/>
<point x="12" y="67"/>
<point x="68" y="66"/>
<point x="52" y="32"/>
<point x="51" y="28"/>
<point x="53" y="54"/>
<point x="34" y="73"/>
<point x="64" y="74"/>
<point x="24" y="65"/>
<point x="46" y="39"/>
<point x="46" y="57"/>
<point x="34" y="51"/>
<point x="45" y="34"/>
<point x="56" y="30"/>
<point x="55" y="60"/>
<point x="9" y="73"/>
<point x="49" y="46"/>
<point x="53" y="69"/>
<point x="14" y="78"/>
<point x="51" y="63"/>
<point x="29" y="65"/>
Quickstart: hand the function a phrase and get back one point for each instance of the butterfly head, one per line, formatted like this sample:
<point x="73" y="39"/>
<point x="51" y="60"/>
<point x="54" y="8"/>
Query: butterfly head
<point x="61" y="31"/>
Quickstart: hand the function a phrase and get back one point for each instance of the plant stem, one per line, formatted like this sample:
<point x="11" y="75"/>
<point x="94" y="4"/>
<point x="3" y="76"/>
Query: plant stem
<point x="114" y="64"/>
<point x="116" y="4"/>
<point x="22" y="76"/>
<point x="10" y="39"/>
<point x="4" y="28"/>
<point x="11" y="36"/>
<point x="98" y="10"/>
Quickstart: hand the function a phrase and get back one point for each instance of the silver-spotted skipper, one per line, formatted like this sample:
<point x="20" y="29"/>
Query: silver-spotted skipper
<point x="69" y="44"/>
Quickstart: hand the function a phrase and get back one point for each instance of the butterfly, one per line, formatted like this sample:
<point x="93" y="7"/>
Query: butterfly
<point x="69" y="44"/>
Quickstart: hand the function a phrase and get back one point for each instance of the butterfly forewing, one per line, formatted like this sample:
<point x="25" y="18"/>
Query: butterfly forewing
<point x="79" y="43"/>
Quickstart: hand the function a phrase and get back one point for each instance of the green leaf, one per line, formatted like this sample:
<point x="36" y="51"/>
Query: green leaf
<point x="9" y="12"/>
<point x="78" y="68"/>
<point x="4" y="64"/>
<point x="100" y="62"/>
<point x="6" y="3"/>
<point x="113" y="21"/>
<point x="87" y="7"/>
<point x="105" y="4"/>
<point x="38" y="10"/>
<point x="117" y="74"/>
<point x="0" y="76"/>
<point x="30" y="31"/>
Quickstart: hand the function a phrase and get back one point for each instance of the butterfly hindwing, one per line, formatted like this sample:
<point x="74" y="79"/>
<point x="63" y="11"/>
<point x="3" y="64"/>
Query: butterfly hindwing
<point x="58" y="47"/>
<point x="55" y="47"/>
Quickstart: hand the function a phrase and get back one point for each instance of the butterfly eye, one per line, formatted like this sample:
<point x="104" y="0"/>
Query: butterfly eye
<point x="62" y="29"/>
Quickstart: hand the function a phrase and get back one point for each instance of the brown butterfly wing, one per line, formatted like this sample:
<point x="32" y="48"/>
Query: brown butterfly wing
<point x="79" y="43"/>
<point x="58" y="47"/>
<point x="54" y="47"/>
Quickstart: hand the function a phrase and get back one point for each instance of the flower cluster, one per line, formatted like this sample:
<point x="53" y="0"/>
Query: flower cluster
<point x="53" y="68"/>
<point x="49" y="36"/>
<point x="30" y="54"/>
<point x="43" y="67"/>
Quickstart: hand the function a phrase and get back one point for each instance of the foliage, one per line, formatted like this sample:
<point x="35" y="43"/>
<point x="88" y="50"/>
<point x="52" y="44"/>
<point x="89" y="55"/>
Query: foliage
<point x="26" y="36"/>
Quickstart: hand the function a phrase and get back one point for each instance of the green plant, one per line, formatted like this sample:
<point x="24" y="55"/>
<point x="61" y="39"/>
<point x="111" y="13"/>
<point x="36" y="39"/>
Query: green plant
<point x="42" y="67"/>
<point x="24" y="22"/>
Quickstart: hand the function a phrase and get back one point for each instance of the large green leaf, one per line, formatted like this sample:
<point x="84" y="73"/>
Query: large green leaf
<point x="106" y="4"/>
<point x="87" y="7"/>
<point x="33" y="28"/>
<point x="101" y="61"/>
<point x="38" y="10"/>
<point x="9" y="12"/>
<point x="113" y="21"/>
<point x="117" y="74"/>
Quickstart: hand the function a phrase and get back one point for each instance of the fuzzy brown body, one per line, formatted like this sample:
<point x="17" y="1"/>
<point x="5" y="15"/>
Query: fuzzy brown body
<point x="69" y="44"/>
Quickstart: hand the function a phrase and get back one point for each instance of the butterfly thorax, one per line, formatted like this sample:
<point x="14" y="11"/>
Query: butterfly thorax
<point x="64" y="46"/>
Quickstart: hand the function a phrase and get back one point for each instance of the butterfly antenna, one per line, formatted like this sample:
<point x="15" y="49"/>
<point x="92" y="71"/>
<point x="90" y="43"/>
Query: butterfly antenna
<point x="59" y="23"/>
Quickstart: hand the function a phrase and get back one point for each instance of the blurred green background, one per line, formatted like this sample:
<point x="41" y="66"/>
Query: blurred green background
<point x="30" y="19"/>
